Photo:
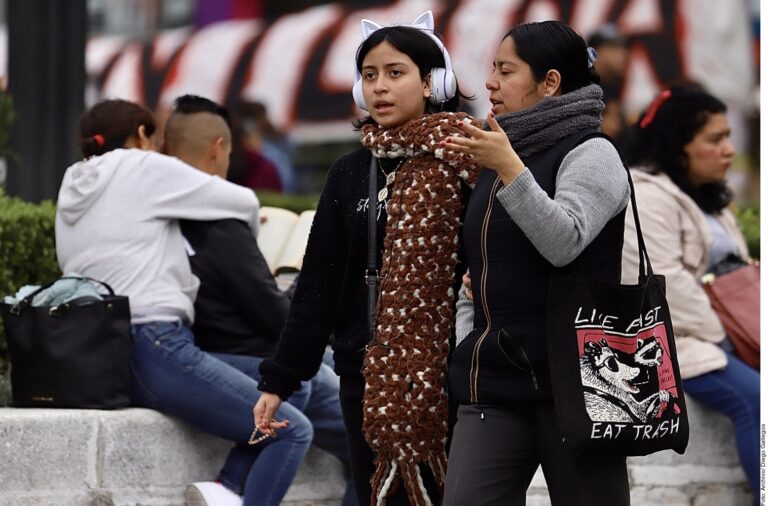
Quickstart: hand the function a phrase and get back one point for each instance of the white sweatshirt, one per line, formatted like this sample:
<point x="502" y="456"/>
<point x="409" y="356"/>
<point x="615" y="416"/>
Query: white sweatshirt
<point x="117" y="221"/>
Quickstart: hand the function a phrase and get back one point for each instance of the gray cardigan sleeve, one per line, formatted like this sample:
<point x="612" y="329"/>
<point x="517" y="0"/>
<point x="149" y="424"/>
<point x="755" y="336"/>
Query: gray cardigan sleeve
<point x="591" y="188"/>
<point x="465" y="315"/>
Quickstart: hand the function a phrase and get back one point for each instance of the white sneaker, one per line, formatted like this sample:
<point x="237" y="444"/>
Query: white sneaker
<point x="211" y="493"/>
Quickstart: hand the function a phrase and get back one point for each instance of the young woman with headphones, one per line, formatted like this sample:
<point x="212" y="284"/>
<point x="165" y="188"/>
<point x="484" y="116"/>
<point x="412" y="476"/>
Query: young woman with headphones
<point x="391" y="385"/>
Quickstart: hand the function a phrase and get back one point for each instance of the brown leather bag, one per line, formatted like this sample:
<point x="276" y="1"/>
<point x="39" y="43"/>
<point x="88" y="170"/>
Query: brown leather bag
<point x="735" y="297"/>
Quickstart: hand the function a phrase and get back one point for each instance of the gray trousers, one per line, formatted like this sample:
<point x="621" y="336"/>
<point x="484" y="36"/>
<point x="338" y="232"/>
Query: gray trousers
<point x="495" y="452"/>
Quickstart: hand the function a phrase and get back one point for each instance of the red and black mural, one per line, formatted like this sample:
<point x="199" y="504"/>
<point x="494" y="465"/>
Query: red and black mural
<point x="300" y="65"/>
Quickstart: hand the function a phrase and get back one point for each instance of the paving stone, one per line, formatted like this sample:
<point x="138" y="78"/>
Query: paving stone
<point x="51" y="449"/>
<point x="733" y="496"/>
<point x="682" y="475"/>
<point x="538" y="480"/>
<point x="57" y="498"/>
<point x="140" y="446"/>
<point x="321" y="477"/>
<point x="537" y="498"/>
<point x="668" y="496"/>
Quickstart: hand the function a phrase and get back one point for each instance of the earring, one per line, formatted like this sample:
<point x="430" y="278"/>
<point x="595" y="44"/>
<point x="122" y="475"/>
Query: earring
<point x="547" y="94"/>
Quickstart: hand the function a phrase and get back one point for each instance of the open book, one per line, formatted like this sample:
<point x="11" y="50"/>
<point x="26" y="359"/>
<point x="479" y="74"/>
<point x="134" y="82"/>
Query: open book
<point x="283" y="238"/>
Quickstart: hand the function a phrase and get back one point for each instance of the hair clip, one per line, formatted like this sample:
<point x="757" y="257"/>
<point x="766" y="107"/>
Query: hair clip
<point x="650" y="114"/>
<point x="99" y="139"/>
<point x="591" y="57"/>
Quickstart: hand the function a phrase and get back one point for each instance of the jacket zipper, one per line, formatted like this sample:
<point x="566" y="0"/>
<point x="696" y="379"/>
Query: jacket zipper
<point x="525" y="356"/>
<point x="474" y="371"/>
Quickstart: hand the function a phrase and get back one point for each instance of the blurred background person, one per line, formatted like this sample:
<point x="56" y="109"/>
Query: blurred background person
<point x="613" y="56"/>
<point x="262" y="155"/>
<point x="611" y="64"/>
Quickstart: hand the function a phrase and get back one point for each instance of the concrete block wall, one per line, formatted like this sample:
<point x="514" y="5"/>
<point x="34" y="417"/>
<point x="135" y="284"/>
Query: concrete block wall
<point x="124" y="458"/>
<point x="140" y="457"/>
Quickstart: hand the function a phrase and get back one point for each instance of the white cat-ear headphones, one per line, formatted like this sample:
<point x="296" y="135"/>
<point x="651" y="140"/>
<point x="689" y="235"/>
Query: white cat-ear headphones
<point x="442" y="80"/>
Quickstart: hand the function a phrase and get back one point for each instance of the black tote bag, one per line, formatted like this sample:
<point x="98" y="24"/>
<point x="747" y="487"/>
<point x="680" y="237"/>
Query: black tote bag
<point x="73" y="355"/>
<point x="613" y="361"/>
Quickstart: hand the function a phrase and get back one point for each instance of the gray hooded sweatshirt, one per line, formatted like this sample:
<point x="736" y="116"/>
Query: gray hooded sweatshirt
<point x="117" y="221"/>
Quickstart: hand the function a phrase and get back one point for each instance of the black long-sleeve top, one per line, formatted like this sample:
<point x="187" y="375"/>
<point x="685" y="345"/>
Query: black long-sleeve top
<point x="331" y="293"/>
<point x="239" y="309"/>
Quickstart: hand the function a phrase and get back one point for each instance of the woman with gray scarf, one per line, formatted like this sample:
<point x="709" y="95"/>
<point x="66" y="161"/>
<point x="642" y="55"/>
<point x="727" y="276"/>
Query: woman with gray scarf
<point x="552" y="197"/>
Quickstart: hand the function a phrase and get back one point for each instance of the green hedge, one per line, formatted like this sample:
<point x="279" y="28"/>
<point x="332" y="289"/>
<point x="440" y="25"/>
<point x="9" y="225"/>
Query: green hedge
<point x="749" y="221"/>
<point x="295" y="203"/>
<point x="27" y="256"/>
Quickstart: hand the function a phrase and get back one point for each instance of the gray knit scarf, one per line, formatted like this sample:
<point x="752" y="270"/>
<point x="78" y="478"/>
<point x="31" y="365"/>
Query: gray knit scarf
<point x="540" y="127"/>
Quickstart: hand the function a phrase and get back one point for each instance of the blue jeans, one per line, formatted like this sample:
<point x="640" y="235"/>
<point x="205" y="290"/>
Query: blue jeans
<point x="318" y="399"/>
<point x="735" y="392"/>
<point x="175" y="377"/>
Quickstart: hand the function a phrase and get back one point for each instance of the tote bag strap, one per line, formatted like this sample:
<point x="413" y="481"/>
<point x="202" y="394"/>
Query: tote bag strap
<point x="20" y="306"/>
<point x="645" y="270"/>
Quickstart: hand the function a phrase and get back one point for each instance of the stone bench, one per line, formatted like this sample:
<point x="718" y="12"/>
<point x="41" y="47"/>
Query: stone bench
<point x="125" y="457"/>
<point x="140" y="457"/>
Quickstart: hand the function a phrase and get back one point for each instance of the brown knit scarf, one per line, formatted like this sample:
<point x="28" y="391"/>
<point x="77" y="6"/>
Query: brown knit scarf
<point x="405" y="407"/>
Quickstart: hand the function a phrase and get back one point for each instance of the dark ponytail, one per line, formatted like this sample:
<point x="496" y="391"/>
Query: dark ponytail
<point x="554" y="45"/>
<point x="110" y="123"/>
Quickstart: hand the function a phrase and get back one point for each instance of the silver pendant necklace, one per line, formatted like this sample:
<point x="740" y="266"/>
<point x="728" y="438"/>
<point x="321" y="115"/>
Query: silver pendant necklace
<point x="389" y="180"/>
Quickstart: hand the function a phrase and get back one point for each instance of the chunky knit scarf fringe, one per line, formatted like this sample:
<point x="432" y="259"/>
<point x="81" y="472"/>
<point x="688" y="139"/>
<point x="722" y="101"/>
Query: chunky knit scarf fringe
<point x="405" y="407"/>
<point x="552" y="119"/>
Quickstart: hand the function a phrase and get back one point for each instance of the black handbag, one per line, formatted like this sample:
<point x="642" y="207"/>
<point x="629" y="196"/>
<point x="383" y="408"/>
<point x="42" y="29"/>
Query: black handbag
<point x="615" y="376"/>
<point x="72" y="355"/>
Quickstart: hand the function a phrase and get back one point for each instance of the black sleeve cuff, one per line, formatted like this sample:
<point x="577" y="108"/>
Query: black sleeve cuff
<point x="275" y="380"/>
